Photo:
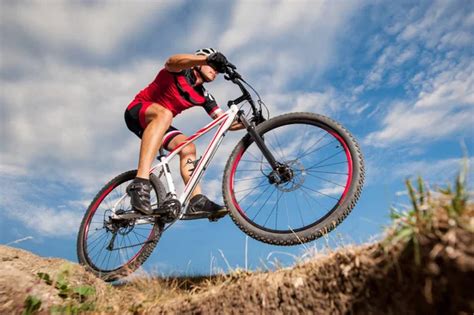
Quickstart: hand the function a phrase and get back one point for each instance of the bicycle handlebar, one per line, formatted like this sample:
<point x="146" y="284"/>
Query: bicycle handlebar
<point x="232" y="75"/>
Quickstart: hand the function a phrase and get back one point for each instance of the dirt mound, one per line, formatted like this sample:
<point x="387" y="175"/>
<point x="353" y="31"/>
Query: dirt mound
<point x="19" y="279"/>
<point x="356" y="280"/>
<point x="329" y="284"/>
<point x="359" y="280"/>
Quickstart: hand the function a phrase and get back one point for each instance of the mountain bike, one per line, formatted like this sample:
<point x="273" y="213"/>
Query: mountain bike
<point x="291" y="179"/>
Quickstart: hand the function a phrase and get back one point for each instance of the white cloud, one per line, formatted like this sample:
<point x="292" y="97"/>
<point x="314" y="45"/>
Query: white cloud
<point x="445" y="105"/>
<point x="450" y="88"/>
<point x="440" y="86"/>
<point x="23" y="201"/>
<point x="95" y="27"/>
<point x="435" y="172"/>
<point x="326" y="102"/>
<point x="276" y="36"/>
<point x="71" y="115"/>
<point x="410" y="126"/>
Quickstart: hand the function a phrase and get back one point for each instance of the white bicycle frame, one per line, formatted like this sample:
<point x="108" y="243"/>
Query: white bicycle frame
<point x="224" y="122"/>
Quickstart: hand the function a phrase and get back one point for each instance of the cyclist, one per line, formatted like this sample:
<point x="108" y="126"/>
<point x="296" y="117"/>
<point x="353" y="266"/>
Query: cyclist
<point x="177" y="87"/>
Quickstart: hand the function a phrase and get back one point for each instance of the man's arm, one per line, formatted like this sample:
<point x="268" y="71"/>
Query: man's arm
<point x="179" y="62"/>
<point x="215" y="111"/>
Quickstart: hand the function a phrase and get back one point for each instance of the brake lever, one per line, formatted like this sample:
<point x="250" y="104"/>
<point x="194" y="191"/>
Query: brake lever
<point x="231" y="75"/>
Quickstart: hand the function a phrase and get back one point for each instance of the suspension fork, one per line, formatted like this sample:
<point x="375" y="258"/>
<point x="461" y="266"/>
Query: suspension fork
<point x="259" y="141"/>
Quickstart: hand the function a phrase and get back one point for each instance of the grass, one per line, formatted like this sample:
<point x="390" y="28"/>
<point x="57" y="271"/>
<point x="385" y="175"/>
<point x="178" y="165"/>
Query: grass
<point x="76" y="299"/>
<point x="431" y="212"/>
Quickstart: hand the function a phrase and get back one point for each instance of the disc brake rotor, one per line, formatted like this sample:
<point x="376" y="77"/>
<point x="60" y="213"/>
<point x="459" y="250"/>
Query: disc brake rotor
<point x="297" y="178"/>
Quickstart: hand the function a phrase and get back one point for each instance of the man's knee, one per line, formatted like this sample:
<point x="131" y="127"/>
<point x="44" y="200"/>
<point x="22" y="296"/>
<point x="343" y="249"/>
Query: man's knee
<point x="190" y="149"/>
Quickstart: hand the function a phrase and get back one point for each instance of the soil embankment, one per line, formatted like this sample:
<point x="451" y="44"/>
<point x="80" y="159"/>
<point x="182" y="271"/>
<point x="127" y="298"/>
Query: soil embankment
<point x="430" y="272"/>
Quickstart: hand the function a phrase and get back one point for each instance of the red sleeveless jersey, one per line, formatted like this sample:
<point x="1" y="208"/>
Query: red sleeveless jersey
<point x="175" y="91"/>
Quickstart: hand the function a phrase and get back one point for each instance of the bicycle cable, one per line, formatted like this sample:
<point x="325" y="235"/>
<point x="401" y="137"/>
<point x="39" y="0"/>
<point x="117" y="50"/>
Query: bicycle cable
<point x="259" y="101"/>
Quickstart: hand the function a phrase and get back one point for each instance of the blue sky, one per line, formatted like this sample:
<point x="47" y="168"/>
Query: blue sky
<point x="398" y="75"/>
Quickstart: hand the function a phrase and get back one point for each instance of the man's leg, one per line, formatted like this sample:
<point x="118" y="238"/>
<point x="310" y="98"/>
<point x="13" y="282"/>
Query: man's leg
<point x="186" y="156"/>
<point x="198" y="202"/>
<point x="158" y="120"/>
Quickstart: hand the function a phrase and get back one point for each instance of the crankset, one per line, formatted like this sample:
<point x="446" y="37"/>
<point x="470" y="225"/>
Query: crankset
<point x="168" y="210"/>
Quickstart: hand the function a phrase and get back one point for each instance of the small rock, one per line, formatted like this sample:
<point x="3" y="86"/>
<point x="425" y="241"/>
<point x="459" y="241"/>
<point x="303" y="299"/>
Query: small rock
<point x="298" y="282"/>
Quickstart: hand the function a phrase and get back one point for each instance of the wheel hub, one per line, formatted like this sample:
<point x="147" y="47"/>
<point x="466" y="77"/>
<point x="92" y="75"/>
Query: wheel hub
<point x="121" y="226"/>
<point x="289" y="176"/>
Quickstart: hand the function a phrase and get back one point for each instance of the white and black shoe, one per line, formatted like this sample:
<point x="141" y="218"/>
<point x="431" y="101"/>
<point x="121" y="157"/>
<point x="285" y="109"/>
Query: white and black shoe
<point x="139" y="192"/>
<point x="200" y="204"/>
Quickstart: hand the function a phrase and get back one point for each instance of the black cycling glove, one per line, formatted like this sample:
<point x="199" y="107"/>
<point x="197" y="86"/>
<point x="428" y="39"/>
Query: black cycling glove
<point x="217" y="61"/>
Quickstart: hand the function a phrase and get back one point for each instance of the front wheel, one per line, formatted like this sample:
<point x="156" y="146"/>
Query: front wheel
<point x="317" y="184"/>
<point x="113" y="248"/>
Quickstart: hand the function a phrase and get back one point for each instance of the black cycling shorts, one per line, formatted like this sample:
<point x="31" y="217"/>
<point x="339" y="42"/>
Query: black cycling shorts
<point x="133" y="123"/>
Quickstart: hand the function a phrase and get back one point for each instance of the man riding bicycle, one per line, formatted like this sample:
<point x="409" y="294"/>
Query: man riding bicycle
<point x="177" y="87"/>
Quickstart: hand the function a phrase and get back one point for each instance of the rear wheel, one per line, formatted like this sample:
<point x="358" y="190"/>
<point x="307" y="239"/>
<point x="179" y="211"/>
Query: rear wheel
<point x="113" y="248"/>
<point x="318" y="182"/>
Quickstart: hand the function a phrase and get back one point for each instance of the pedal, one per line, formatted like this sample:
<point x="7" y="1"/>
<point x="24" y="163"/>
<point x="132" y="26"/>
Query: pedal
<point x="121" y="214"/>
<point x="169" y="208"/>
<point x="218" y="215"/>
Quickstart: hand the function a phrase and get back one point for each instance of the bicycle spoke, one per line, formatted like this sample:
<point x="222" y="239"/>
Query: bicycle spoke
<point x="130" y="242"/>
<point x="330" y="157"/>
<point x="276" y="215"/>
<point x="95" y="246"/>
<point x="96" y="239"/>
<point x="335" y="173"/>
<point x="301" y="143"/>
<point x="245" y="179"/>
<point x="140" y="235"/>
<point x="327" y="180"/>
<point x="108" y="255"/>
<point x="263" y="204"/>
<point x="135" y="234"/>
<point x="316" y="191"/>
<point x="331" y="164"/>
<point x="279" y="146"/>
<point x="102" y="262"/>
<point x="273" y="209"/>
<point x="252" y="188"/>
<point x="299" y="210"/>
<point x="252" y="154"/>
<point x="309" y="195"/>
<point x="249" y="170"/>
<point x="257" y="197"/>
<point x="317" y="149"/>
<point x="311" y="146"/>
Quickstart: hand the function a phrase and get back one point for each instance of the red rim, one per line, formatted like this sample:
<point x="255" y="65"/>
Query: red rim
<point x="349" y="164"/>
<point x="86" y="231"/>
<point x="340" y="201"/>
